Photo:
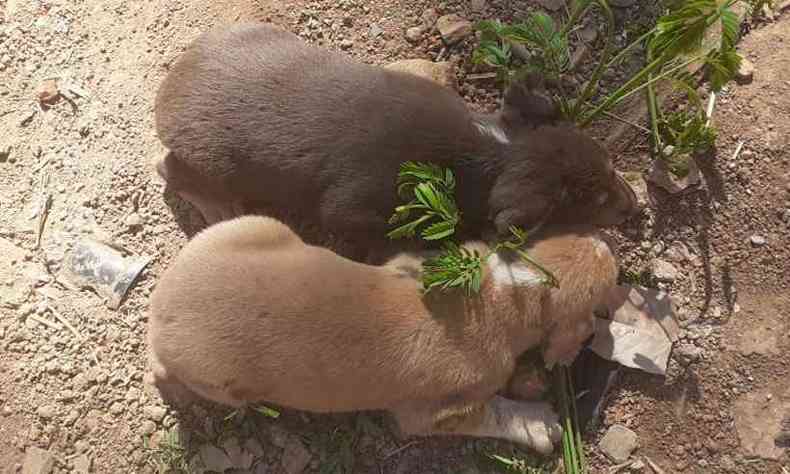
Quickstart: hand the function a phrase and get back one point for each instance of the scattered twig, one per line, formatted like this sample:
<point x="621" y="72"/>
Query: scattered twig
<point x="45" y="322"/>
<point x="482" y="75"/>
<point x="66" y="323"/>
<point x="784" y="469"/>
<point x="627" y="122"/>
<point x="737" y="151"/>
<point x="654" y="466"/>
<point x="619" y="467"/>
<point x="709" y="110"/>
<point x="45" y="201"/>
<point x="398" y="450"/>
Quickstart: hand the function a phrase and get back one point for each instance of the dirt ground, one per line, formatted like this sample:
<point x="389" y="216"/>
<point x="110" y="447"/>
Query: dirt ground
<point x="80" y="395"/>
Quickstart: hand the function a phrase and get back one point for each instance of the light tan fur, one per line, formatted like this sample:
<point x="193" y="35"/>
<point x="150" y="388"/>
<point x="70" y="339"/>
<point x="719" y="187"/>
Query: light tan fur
<point x="248" y="313"/>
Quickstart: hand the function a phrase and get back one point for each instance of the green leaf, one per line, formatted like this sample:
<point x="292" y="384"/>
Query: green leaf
<point x="439" y="230"/>
<point x="409" y="229"/>
<point x="721" y="67"/>
<point x="455" y="267"/>
<point x="266" y="411"/>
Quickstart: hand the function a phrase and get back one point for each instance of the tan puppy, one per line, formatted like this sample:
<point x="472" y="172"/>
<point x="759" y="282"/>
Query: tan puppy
<point x="247" y="313"/>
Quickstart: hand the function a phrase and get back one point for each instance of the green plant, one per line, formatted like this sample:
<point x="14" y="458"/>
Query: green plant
<point x="170" y="455"/>
<point x="432" y="188"/>
<point x="516" y="465"/>
<point x="573" y="459"/>
<point x="672" y="45"/>
<point x="434" y="210"/>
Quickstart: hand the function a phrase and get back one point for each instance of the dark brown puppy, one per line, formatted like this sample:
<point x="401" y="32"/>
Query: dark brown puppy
<point x="248" y="313"/>
<point x="256" y="120"/>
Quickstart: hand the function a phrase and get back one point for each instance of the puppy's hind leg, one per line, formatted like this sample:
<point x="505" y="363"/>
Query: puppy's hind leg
<point x="534" y="424"/>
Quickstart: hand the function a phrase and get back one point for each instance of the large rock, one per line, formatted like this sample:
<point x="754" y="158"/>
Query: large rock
<point x="441" y="72"/>
<point x="758" y="420"/>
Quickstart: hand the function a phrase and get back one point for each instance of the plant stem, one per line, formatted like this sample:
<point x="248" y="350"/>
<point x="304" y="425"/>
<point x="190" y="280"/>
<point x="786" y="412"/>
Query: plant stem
<point x="620" y="94"/>
<point x="578" y="11"/>
<point x="628" y="48"/>
<point x="652" y="107"/>
<point x="593" y="82"/>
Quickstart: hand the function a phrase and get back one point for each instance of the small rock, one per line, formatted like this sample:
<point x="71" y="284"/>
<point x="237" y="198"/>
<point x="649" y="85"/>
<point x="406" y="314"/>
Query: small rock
<point x="295" y="456"/>
<point x="346" y="44"/>
<point x="37" y="461"/>
<point x="639" y="186"/>
<point x="453" y="28"/>
<point x="82" y="464"/>
<point x="154" y="413"/>
<point x="441" y="72"/>
<point x="133" y="221"/>
<point x="46" y="412"/>
<point x="48" y="93"/>
<point x="552" y="5"/>
<point x="117" y="408"/>
<point x="429" y="17"/>
<point x="375" y="31"/>
<point x="589" y="33"/>
<point x="477" y="6"/>
<point x="5" y="153"/>
<point x="414" y="34"/>
<point x="687" y="353"/>
<point x="757" y="240"/>
<point x="678" y="252"/>
<point x="239" y="458"/>
<point x="745" y="74"/>
<point x="661" y="175"/>
<point x="147" y="427"/>
<point x="637" y="466"/>
<point x="663" y="270"/>
<point x="618" y="443"/>
<point x="215" y="459"/>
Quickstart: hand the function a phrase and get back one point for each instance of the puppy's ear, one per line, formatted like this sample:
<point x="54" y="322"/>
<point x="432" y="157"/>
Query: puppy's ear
<point x="528" y="103"/>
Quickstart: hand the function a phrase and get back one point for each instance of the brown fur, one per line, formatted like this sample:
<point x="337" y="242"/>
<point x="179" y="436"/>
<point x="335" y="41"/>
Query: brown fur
<point x="258" y="121"/>
<point x="247" y="312"/>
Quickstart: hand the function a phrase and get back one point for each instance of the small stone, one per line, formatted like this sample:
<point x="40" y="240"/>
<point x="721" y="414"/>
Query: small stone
<point x="677" y="176"/>
<point x="295" y="456"/>
<point x="82" y="464"/>
<point x="5" y="153"/>
<point x="37" y="461"/>
<point x="589" y="33"/>
<point x="239" y="458"/>
<point x="48" y="93"/>
<point x="414" y="34"/>
<point x="346" y="44"/>
<point x="429" y="17"/>
<point x="214" y="459"/>
<point x="745" y="73"/>
<point x="663" y="271"/>
<point x="552" y="5"/>
<point x="687" y="353"/>
<point x="147" y="427"/>
<point x="477" y="6"/>
<point x="253" y="447"/>
<point x="133" y="221"/>
<point x="637" y="466"/>
<point x="441" y="72"/>
<point x="154" y="413"/>
<point x="117" y="408"/>
<point x="46" y="412"/>
<point x="618" y="443"/>
<point x="374" y="31"/>
<point x="7" y="411"/>
<point x="453" y="28"/>
<point x="757" y="240"/>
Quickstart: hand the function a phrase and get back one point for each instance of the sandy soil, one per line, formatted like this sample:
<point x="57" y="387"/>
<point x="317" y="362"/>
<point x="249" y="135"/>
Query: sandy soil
<point x="81" y="395"/>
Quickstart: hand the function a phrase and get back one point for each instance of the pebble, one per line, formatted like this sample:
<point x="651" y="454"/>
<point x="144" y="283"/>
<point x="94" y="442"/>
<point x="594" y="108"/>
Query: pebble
<point x="147" y="427"/>
<point x="589" y="33"/>
<point x="375" y="31"/>
<point x="154" y="413"/>
<point x="663" y="270"/>
<point x="48" y="93"/>
<point x="757" y="240"/>
<point x="477" y="6"/>
<point x="37" y="461"/>
<point x="414" y="34"/>
<point x="618" y="443"/>
<point x="117" y="408"/>
<point x="453" y="28"/>
<point x="133" y="221"/>
<point x="82" y="464"/>
<point x="46" y="412"/>
<point x="745" y="73"/>
<point x="346" y="44"/>
<point x="686" y="353"/>
<point x="440" y="72"/>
